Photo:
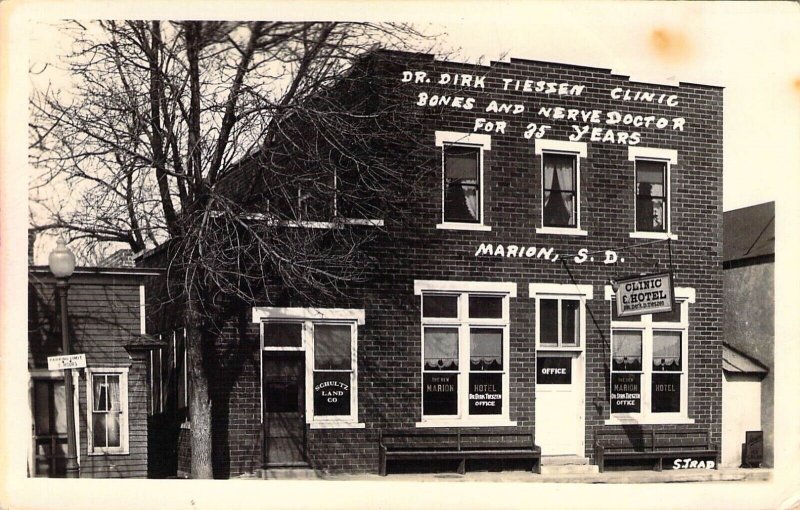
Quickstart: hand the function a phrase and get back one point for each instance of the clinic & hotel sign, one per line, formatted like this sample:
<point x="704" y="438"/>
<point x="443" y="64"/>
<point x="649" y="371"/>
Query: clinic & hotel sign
<point x="645" y="294"/>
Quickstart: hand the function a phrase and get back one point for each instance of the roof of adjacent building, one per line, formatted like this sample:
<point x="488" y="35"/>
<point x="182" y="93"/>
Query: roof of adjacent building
<point x="734" y="361"/>
<point x="749" y="232"/>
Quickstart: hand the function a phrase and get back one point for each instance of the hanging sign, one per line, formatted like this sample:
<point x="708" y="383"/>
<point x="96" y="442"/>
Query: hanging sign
<point x="66" y="362"/>
<point x="645" y="294"/>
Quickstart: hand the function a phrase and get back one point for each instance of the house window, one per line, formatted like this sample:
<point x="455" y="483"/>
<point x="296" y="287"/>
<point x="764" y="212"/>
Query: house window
<point x="465" y="346"/>
<point x="107" y="400"/>
<point x="327" y="339"/>
<point x="652" y="202"/>
<point x="648" y="365"/>
<point x="462" y="179"/>
<point x="560" y="190"/>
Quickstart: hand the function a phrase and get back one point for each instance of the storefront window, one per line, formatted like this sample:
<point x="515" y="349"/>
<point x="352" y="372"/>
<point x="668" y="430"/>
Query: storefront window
<point x="333" y="370"/>
<point x="440" y="372"/>
<point x="464" y="346"/>
<point x="323" y="341"/>
<point x="648" y="371"/>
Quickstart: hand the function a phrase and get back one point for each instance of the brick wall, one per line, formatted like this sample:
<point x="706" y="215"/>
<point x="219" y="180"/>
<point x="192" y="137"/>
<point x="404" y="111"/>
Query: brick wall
<point x="389" y="378"/>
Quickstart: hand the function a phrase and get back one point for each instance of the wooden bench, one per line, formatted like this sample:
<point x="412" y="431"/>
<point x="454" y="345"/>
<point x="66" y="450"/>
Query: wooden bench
<point x="633" y="443"/>
<point x="461" y="444"/>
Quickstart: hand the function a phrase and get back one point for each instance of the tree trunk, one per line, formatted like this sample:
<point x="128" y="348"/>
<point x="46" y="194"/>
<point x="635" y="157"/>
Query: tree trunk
<point x="200" y="401"/>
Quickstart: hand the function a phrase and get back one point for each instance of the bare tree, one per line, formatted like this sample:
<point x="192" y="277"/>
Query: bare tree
<point x="214" y="138"/>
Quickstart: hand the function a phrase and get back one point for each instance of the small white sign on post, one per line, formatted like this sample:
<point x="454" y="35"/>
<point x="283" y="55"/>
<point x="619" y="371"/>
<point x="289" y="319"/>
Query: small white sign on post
<point x="66" y="362"/>
<point x="645" y="294"/>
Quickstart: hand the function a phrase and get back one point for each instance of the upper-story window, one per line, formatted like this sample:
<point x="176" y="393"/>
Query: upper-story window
<point x="560" y="186"/>
<point x="651" y="196"/>
<point x="560" y="190"/>
<point x="462" y="188"/>
<point x="652" y="200"/>
<point x="462" y="180"/>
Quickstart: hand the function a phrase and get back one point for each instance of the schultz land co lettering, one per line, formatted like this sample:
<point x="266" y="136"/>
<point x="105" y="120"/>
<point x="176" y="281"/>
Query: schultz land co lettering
<point x="593" y="125"/>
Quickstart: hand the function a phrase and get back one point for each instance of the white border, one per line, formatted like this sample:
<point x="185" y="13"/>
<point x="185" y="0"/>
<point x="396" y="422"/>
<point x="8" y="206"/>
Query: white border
<point x="421" y="286"/>
<point x="546" y="145"/>
<point x="564" y="289"/>
<point x="123" y="448"/>
<point x="459" y="138"/>
<point x="637" y="152"/>
<point x="267" y="312"/>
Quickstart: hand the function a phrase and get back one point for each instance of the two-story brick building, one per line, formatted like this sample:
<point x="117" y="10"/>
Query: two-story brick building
<point x="492" y="305"/>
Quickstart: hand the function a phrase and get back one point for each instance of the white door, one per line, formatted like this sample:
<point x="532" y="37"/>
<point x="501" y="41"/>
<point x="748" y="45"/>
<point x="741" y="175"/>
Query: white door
<point x="560" y="403"/>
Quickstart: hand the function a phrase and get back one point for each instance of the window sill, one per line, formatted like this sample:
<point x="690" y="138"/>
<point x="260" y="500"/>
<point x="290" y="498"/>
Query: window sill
<point x="336" y="425"/>
<point x="649" y="420"/>
<point x="101" y="454"/>
<point x="472" y="422"/>
<point x="562" y="231"/>
<point x="447" y="225"/>
<point x="653" y="235"/>
<point x="332" y="224"/>
<point x="557" y="348"/>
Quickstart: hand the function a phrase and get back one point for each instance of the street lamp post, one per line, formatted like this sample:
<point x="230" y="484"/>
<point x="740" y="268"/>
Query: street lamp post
<point x="62" y="264"/>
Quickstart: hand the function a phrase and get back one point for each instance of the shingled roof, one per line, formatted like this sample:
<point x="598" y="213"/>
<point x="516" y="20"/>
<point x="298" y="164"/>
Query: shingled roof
<point x="749" y="232"/>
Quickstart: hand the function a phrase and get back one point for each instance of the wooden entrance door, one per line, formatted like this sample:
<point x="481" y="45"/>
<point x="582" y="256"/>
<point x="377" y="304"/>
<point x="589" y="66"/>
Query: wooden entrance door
<point x="284" y="409"/>
<point x="49" y="428"/>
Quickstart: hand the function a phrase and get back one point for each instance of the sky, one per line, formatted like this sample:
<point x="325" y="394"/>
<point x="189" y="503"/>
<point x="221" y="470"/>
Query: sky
<point x="746" y="47"/>
<point x="750" y="48"/>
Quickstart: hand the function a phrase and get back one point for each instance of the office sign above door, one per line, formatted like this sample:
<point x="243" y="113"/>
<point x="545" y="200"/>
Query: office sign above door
<point x="645" y="294"/>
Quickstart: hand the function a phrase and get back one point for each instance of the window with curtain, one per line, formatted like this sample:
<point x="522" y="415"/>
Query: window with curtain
<point x="648" y="371"/>
<point x="651" y="196"/>
<point x="462" y="193"/>
<point x="626" y="372"/>
<point x="560" y="190"/>
<point x="464" y="363"/>
<point x="108" y="404"/>
<point x="333" y="369"/>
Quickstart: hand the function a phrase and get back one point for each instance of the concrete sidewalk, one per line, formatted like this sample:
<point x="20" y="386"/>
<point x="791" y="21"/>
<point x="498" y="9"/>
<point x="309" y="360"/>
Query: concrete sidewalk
<point x="671" y="476"/>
